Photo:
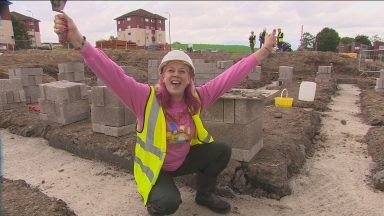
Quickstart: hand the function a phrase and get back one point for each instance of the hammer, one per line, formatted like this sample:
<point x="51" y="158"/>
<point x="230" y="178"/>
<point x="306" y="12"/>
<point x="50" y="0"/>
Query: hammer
<point x="58" y="6"/>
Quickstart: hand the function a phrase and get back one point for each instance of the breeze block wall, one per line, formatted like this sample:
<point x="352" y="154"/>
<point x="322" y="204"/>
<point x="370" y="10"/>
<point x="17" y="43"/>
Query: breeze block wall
<point x="109" y="116"/>
<point x="64" y="102"/>
<point x="30" y="79"/>
<point x="11" y="94"/>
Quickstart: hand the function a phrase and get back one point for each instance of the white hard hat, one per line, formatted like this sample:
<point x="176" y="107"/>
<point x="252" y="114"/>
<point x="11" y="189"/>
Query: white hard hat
<point x="177" y="55"/>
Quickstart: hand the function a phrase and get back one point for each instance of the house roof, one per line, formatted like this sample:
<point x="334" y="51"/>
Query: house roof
<point x="141" y="13"/>
<point x="19" y="16"/>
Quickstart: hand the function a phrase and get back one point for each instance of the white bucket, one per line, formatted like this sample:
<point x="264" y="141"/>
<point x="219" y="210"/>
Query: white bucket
<point x="307" y="91"/>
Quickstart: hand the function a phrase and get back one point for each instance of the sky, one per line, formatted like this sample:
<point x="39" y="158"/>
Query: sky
<point x="217" y="22"/>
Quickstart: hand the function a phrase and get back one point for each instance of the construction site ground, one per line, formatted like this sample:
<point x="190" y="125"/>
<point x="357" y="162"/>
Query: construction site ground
<point x="318" y="157"/>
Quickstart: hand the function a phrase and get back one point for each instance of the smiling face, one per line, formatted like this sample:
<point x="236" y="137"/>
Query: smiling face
<point x="176" y="76"/>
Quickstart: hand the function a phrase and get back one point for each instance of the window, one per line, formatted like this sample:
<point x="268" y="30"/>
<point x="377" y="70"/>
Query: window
<point x="159" y="21"/>
<point x="128" y="18"/>
<point x="118" y="22"/>
<point x="146" y="19"/>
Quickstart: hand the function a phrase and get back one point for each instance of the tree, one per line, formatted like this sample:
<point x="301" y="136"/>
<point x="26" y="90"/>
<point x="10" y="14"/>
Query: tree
<point x="308" y="41"/>
<point x="22" y="39"/>
<point x="327" y="40"/>
<point x="346" y="40"/>
<point x="376" y="37"/>
<point x="363" y="39"/>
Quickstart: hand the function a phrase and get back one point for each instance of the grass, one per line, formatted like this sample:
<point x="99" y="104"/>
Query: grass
<point x="224" y="48"/>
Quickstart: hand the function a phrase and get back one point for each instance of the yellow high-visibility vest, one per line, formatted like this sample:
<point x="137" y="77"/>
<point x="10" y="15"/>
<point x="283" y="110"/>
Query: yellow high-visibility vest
<point x="280" y="37"/>
<point x="151" y="145"/>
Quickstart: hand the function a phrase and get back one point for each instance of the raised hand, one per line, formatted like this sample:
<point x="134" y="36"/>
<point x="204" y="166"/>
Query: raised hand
<point x="65" y="25"/>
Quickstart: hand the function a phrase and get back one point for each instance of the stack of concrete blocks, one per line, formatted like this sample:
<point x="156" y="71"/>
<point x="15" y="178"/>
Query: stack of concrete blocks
<point x="380" y="82"/>
<point x="153" y="73"/>
<point x="236" y="118"/>
<point x="72" y="71"/>
<point x="64" y="102"/>
<point x="285" y="74"/>
<point x="109" y="116"/>
<point x="323" y="74"/>
<point x="255" y="74"/>
<point x="30" y="79"/>
<point x="11" y="94"/>
<point x="204" y="72"/>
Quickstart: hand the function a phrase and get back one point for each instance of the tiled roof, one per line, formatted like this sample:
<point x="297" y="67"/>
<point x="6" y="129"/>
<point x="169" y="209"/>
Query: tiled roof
<point x="141" y="13"/>
<point x="19" y="16"/>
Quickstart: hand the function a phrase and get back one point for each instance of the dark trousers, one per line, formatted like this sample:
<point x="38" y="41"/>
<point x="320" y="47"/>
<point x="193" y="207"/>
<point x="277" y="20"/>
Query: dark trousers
<point x="252" y="46"/>
<point x="209" y="159"/>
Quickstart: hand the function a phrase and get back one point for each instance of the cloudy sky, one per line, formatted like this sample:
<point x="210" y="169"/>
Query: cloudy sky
<point x="217" y="22"/>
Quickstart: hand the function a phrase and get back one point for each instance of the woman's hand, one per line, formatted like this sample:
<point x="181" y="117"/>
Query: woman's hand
<point x="65" y="25"/>
<point x="270" y="41"/>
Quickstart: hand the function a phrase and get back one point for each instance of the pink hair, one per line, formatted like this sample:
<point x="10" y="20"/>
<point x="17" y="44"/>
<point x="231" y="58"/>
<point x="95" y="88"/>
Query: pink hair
<point x="164" y="98"/>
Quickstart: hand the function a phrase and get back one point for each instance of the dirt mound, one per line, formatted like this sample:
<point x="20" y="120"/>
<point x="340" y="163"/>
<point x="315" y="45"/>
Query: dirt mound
<point x="19" y="198"/>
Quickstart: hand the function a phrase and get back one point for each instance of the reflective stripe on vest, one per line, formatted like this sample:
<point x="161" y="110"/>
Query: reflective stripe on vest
<point x="151" y="145"/>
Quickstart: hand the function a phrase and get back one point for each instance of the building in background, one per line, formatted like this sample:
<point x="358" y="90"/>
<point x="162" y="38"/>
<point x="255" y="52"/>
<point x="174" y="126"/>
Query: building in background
<point x="32" y="27"/>
<point x="7" y="41"/>
<point x="141" y="27"/>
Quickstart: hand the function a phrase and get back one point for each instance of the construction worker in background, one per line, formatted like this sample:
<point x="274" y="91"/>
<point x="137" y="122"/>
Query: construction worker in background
<point x="262" y="37"/>
<point x="252" y="41"/>
<point x="280" y="40"/>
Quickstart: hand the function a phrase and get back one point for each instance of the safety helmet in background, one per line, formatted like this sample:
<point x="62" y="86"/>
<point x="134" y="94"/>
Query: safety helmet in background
<point x="177" y="55"/>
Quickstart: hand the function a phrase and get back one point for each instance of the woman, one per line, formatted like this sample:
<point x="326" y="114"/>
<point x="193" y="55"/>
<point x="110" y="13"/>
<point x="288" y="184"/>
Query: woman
<point x="171" y="138"/>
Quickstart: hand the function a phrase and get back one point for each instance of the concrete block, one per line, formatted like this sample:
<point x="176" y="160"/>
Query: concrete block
<point x="197" y="61"/>
<point x="102" y="96"/>
<point x="28" y="76"/>
<point x="79" y="76"/>
<point x="229" y="111"/>
<point x="255" y="74"/>
<point x="66" y="112"/>
<point x="32" y="93"/>
<point x="382" y="73"/>
<point x="154" y="63"/>
<point x="114" y="131"/>
<point x="63" y="91"/>
<point x="224" y="64"/>
<point x="379" y="83"/>
<point x="112" y="116"/>
<point x="285" y="73"/>
<point x="10" y="84"/>
<point x="71" y="67"/>
<point x="247" y="111"/>
<point x="324" y="69"/>
<point x="18" y="72"/>
<point x="246" y="139"/>
<point x="214" y="113"/>
<point x="69" y="76"/>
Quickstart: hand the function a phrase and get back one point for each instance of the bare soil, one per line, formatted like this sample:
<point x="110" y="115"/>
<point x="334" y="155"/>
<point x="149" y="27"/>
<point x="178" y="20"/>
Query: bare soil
<point x="288" y="141"/>
<point x="21" y="199"/>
